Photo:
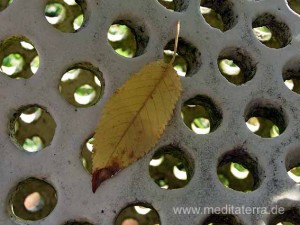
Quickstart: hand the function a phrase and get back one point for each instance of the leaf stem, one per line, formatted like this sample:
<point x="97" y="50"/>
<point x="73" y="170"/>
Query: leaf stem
<point x="176" y="42"/>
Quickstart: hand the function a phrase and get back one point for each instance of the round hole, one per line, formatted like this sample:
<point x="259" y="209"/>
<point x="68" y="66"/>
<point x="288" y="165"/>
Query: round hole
<point x="31" y="200"/>
<point x="170" y="168"/>
<point x="65" y="15"/>
<point x="221" y="219"/>
<point x="265" y="119"/>
<point x="201" y="115"/>
<point x="19" y="58"/>
<point x="289" y="217"/>
<point x="32" y="128"/>
<point x="86" y="154"/>
<point x="137" y="214"/>
<point x="75" y="222"/>
<point x="238" y="171"/>
<point x="174" y="5"/>
<point x="294" y="5"/>
<point x="127" y="39"/>
<point x="291" y="75"/>
<point x="187" y="61"/>
<point x="271" y="32"/>
<point x="82" y="85"/>
<point x="236" y="65"/>
<point x="293" y="165"/>
<point x="218" y="13"/>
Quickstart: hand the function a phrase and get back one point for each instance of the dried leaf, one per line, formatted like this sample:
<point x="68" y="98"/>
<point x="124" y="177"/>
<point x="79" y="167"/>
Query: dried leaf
<point x="134" y="119"/>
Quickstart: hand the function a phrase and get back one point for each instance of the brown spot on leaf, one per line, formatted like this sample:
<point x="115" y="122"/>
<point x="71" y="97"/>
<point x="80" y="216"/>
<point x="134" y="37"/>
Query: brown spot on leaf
<point x="101" y="175"/>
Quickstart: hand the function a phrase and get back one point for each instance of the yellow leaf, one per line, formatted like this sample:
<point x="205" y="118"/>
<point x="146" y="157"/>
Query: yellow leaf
<point x="134" y="119"/>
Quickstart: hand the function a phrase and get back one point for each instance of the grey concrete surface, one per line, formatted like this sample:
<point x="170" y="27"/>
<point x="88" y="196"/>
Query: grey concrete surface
<point x="59" y="163"/>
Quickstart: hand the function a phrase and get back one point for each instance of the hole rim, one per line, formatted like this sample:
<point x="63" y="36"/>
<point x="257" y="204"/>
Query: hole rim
<point x="86" y="66"/>
<point x="118" y="221"/>
<point x="243" y="59"/>
<point x="297" y="12"/>
<point x="291" y="71"/>
<point x="180" y="154"/>
<point x="67" y="8"/>
<point x="140" y="32"/>
<point x="12" y="45"/>
<point x="292" y="160"/>
<point x="189" y="52"/>
<point x="178" y="6"/>
<point x="291" y="214"/>
<point x="13" y="132"/>
<point x="222" y="219"/>
<point x="83" y="159"/>
<point x="5" y="4"/>
<point x="225" y="8"/>
<point x="279" y="29"/>
<point x="241" y="156"/>
<point x="269" y="110"/>
<point x="213" y="110"/>
<point x="19" y="187"/>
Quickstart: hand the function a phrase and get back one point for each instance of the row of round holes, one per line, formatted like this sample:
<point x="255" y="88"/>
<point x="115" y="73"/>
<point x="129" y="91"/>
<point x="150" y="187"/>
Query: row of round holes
<point x="82" y="85"/>
<point x="61" y="13"/>
<point x="264" y="26"/>
<point x="173" y="5"/>
<point x="182" y="168"/>
<point x="34" y="199"/>
<point x="220" y="15"/>
<point x="233" y="69"/>
<point x="172" y="168"/>
<point x="29" y="130"/>
<point x="235" y="64"/>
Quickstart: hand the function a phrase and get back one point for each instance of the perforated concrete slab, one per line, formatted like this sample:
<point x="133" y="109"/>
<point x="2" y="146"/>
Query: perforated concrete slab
<point x="59" y="163"/>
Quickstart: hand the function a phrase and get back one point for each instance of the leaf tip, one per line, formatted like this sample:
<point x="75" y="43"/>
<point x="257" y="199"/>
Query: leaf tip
<point x="100" y="175"/>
